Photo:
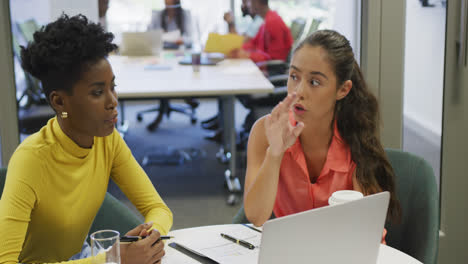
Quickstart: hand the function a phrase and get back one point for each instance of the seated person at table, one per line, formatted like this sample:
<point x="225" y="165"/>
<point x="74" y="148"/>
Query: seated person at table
<point x="57" y="178"/>
<point x="323" y="137"/>
<point x="273" y="40"/>
<point x="253" y="26"/>
<point x="173" y="18"/>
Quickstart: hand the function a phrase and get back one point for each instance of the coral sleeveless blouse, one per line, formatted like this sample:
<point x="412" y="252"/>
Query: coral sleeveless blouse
<point x="296" y="193"/>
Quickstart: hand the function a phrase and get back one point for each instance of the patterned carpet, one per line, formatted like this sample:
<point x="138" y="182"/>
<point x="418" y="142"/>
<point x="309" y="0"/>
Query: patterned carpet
<point x="194" y="190"/>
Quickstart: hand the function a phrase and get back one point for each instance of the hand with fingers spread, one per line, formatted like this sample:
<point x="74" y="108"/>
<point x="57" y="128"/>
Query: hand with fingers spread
<point x="146" y="251"/>
<point x="280" y="133"/>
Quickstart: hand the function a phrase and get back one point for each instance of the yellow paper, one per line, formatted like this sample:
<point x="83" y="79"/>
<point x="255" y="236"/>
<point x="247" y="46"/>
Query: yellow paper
<point x="223" y="43"/>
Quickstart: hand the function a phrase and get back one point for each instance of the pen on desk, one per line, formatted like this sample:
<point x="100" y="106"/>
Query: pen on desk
<point x="129" y="239"/>
<point x="238" y="241"/>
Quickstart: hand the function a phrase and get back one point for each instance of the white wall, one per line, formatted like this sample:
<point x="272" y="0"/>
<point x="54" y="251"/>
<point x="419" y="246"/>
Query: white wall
<point x="89" y="8"/>
<point x="124" y="15"/>
<point x="347" y="21"/>
<point x="424" y="68"/>
<point x="22" y="10"/>
<point x="45" y="11"/>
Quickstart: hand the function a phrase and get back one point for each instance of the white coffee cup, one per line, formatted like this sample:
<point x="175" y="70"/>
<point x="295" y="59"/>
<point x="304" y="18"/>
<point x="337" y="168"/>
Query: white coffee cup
<point x="344" y="196"/>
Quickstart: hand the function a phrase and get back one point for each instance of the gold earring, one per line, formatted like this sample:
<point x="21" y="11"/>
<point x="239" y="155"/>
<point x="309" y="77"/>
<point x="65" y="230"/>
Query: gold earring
<point x="64" y="115"/>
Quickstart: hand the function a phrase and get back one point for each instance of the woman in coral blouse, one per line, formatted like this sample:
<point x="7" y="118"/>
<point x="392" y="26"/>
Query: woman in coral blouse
<point x="321" y="138"/>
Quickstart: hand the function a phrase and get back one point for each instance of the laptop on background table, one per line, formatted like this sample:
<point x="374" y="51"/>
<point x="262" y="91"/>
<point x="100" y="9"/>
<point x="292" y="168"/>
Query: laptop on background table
<point x="145" y="43"/>
<point x="348" y="233"/>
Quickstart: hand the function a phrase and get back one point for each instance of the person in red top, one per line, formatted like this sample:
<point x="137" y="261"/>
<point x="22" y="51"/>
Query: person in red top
<point x="321" y="138"/>
<point x="273" y="40"/>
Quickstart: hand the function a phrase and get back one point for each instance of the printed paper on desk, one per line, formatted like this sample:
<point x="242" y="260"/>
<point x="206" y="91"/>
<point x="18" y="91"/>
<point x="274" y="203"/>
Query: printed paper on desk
<point x="211" y="244"/>
<point x="223" y="43"/>
<point x="175" y="257"/>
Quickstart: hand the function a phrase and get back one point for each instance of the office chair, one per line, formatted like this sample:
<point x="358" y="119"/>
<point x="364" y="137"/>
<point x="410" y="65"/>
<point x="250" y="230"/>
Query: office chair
<point x="418" y="232"/>
<point x="165" y="108"/>
<point x="113" y="214"/>
<point x="314" y="24"/>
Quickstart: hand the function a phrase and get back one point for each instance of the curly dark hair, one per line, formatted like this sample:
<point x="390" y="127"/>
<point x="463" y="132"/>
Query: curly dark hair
<point x="357" y="117"/>
<point x="65" y="49"/>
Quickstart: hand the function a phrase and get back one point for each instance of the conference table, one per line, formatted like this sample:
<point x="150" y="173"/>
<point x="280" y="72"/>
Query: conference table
<point x="224" y="251"/>
<point x="141" y="78"/>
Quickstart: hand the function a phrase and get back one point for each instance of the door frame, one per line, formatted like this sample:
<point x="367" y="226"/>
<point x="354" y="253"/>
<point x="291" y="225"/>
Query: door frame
<point x="382" y="62"/>
<point x="9" y="134"/>
<point x="453" y="194"/>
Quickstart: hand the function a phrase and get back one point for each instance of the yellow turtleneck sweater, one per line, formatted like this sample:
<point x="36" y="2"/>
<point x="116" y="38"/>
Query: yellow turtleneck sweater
<point x="54" y="189"/>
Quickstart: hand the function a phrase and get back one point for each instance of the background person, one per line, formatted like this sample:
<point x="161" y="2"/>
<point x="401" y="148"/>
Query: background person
<point x="253" y="26"/>
<point x="173" y="17"/>
<point x="273" y="40"/>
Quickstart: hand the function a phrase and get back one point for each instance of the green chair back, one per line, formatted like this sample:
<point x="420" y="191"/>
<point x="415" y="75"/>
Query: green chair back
<point x="112" y="215"/>
<point x="297" y="28"/>
<point x="314" y="26"/>
<point x="418" y="232"/>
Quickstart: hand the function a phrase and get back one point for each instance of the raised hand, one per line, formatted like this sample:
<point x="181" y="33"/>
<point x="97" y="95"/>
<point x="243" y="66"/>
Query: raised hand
<point x="280" y="133"/>
<point x="228" y="17"/>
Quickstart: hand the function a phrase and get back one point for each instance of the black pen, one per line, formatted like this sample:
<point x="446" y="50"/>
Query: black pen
<point x="238" y="241"/>
<point x="128" y="239"/>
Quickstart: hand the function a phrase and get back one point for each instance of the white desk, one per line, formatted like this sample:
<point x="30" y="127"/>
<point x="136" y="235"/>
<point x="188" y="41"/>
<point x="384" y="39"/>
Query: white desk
<point x="136" y="79"/>
<point x="387" y="255"/>
<point x="150" y="77"/>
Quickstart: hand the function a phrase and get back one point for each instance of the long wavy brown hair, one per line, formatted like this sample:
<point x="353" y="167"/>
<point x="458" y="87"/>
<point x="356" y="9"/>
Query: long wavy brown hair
<point x="357" y="117"/>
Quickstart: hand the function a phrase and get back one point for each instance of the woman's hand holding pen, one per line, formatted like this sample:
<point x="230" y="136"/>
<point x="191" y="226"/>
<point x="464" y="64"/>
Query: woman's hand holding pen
<point x="145" y="251"/>
<point x="280" y="133"/>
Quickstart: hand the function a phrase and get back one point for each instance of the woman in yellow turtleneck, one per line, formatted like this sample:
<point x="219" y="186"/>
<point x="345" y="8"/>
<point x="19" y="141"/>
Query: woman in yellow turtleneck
<point x="57" y="178"/>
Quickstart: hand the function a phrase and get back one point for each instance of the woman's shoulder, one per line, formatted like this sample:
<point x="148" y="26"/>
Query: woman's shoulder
<point x="29" y="158"/>
<point x="36" y="144"/>
<point x="257" y="132"/>
<point x="260" y="124"/>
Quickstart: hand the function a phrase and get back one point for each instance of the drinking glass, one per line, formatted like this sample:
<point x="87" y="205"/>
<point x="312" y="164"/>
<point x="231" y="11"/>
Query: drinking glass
<point x="108" y="242"/>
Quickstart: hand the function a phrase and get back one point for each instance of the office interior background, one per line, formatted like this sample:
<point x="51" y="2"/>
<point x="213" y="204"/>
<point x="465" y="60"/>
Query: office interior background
<point x="194" y="189"/>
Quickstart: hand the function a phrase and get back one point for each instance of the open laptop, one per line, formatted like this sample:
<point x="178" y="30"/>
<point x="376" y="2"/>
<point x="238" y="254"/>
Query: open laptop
<point x="141" y="43"/>
<point x="345" y="233"/>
